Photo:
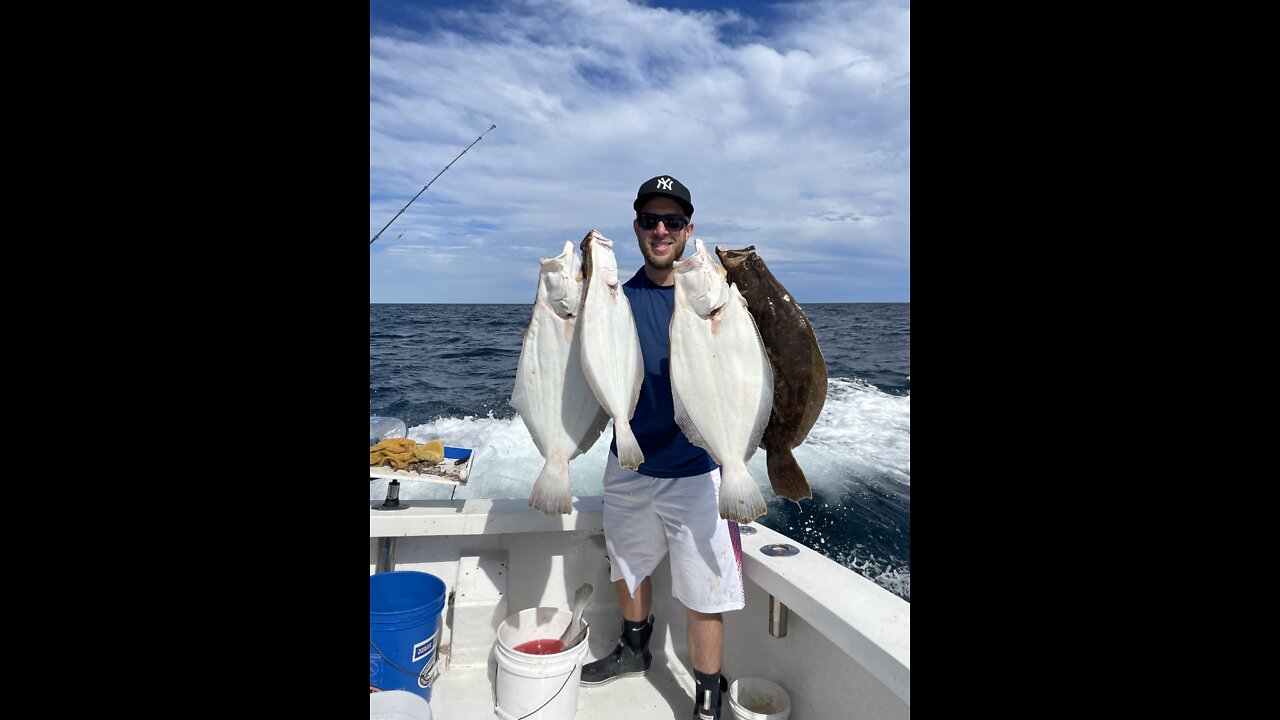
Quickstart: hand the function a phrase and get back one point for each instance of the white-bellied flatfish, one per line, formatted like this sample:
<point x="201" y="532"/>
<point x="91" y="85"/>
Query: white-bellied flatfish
<point x="720" y="379"/>
<point x="551" y="393"/>
<point x="611" y="356"/>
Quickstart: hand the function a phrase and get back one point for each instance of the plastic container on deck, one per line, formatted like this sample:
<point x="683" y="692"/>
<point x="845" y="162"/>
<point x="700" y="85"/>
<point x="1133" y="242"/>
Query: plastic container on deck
<point x="752" y="698"/>
<point x="385" y="428"/>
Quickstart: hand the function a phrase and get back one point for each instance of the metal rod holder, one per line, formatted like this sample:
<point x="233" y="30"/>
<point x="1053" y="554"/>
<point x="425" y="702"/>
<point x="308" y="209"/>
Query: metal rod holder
<point x="393" y="498"/>
<point x="777" y="617"/>
<point x="386" y="555"/>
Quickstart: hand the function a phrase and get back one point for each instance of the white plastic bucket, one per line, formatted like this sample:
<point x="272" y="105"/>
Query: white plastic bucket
<point x="758" y="699"/>
<point x="537" y="687"/>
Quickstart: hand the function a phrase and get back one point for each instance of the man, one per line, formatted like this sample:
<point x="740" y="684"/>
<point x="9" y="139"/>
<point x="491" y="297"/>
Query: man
<point x="671" y="502"/>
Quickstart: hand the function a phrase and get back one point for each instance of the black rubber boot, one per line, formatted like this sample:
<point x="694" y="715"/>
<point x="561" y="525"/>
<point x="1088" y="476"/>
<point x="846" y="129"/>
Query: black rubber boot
<point x="630" y="657"/>
<point x="708" y="708"/>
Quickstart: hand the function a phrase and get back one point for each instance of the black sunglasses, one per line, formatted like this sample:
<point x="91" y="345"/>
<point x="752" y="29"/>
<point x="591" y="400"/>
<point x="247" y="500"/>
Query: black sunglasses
<point x="674" y="223"/>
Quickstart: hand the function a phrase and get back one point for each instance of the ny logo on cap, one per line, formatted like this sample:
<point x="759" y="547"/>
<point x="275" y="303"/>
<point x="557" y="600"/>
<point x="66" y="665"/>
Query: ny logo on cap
<point x="664" y="183"/>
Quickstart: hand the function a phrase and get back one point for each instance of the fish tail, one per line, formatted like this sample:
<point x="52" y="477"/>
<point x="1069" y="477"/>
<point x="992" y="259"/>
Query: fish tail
<point x="740" y="498"/>
<point x="629" y="453"/>
<point x="786" y="477"/>
<point x="551" y="493"/>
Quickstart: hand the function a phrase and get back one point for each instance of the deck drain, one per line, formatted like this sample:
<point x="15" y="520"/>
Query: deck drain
<point x="746" y="530"/>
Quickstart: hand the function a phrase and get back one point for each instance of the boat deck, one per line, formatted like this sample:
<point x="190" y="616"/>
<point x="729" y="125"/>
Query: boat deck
<point x="837" y="643"/>
<point x="666" y="692"/>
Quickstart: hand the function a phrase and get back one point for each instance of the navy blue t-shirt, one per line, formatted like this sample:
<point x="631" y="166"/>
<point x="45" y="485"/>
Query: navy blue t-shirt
<point x="667" y="452"/>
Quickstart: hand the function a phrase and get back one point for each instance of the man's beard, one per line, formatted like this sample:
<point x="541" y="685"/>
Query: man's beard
<point x="662" y="262"/>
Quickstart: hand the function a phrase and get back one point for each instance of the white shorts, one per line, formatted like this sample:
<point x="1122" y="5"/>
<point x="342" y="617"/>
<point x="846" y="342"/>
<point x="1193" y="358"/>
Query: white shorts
<point x="644" y="516"/>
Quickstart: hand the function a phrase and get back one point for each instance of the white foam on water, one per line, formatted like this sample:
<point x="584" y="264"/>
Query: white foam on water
<point x="506" y="462"/>
<point x="896" y="580"/>
<point x="861" y="431"/>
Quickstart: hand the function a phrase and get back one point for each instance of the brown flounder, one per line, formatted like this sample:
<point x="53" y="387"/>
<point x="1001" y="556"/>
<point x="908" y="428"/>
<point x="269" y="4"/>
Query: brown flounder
<point x="799" y="370"/>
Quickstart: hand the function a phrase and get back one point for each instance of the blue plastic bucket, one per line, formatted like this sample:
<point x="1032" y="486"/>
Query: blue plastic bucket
<point x="404" y="630"/>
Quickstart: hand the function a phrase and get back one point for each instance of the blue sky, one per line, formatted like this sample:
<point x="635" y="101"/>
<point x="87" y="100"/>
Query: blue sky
<point x="789" y="122"/>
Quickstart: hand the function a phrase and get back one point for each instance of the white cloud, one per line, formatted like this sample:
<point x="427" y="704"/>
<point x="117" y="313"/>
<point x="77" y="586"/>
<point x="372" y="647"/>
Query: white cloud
<point x="793" y="135"/>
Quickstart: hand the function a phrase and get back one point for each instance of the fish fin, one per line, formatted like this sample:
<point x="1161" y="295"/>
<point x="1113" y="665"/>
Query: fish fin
<point x="816" y="398"/>
<point x="629" y="453"/>
<point x="637" y="376"/>
<point x="765" y="408"/>
<point x="740" y="498"/>
<point x="551" y="493"/>
<point x="592" y="435"/>
<point x="519" y="398"/>
<point x="579" y="398"/>
<point x="785" y="475"/>
<point x="691" y="432"/>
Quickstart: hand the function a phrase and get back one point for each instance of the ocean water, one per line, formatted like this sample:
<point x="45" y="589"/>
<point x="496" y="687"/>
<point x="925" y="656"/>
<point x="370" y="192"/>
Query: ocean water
<point x="448" y="372"/>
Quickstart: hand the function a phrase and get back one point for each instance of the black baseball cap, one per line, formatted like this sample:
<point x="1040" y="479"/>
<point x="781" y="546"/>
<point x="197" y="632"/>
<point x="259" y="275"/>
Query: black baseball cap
<point x="664" y="185"/>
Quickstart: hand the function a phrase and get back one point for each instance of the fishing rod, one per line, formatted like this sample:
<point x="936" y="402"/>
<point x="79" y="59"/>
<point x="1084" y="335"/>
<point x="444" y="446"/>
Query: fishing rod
<point x="424" y="187"/>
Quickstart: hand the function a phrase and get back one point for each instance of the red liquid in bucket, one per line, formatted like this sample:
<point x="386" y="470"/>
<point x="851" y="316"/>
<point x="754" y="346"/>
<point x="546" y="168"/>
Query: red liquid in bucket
<point x="540" y="647"/>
